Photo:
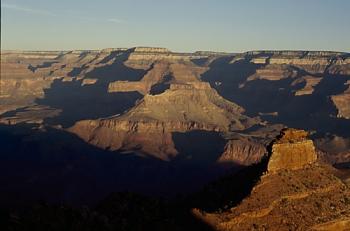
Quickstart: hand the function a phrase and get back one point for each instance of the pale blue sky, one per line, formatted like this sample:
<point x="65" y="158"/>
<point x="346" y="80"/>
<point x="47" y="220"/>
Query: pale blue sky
<point x="181" y="25"/>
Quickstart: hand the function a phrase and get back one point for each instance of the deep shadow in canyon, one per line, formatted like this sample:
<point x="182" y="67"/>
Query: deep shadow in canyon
<point x="116" y="71"/>
<point x="260" y="97"/>
<point x="229" y="190"/>
<point x="47" y="176"/>
<point x="56" y="166"/>
<point x="78" y="101"/>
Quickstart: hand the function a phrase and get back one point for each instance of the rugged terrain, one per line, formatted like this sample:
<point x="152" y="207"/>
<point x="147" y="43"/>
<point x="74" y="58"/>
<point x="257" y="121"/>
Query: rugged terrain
<point x="289" y="190"/>
<point x="169" y="122"/>
<point x="295" y="193"/>
<point x="133" y="91"/>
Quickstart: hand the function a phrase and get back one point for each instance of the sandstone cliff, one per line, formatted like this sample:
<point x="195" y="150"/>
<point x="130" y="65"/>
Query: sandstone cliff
<point x="291" y="150"/>
<point x="242" y="152"/>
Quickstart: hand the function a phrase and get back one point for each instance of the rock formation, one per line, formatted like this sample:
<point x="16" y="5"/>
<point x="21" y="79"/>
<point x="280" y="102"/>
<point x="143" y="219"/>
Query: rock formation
<point x="342" y="102"/>
<point x="291" y="150"/>
<point x="310" y="197"/>
<point x="182" y="108"/>
<point x="155" y="75"/>
<point x="242" y="152"/>
<point x="273" y="72"/>
<point x="19" y="86"/>
<point x="309" y="82"/>
<point x="143" y="57"/>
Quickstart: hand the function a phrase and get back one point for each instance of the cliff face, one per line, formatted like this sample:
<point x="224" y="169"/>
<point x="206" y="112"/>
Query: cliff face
<point x="192" y="102"/>
<point x="155" y="75"/>
<point x="273" y="72"/>
<point x="309" y="83"/>
<point x="182" y="108"/>
<point x="341" y="101"/>
<point x="292" y="150"/>
<point x="19" y="85"/>
<point x="160" y="75"/>
<point x="242" y="152"/>
<point x="143" y="57"/>
<point x="312" y="62"/>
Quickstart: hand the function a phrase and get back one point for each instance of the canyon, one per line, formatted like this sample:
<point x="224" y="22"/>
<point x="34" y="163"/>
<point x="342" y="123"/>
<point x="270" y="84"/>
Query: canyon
<point x="246" y="137"/>
<point x="113" y="98"/>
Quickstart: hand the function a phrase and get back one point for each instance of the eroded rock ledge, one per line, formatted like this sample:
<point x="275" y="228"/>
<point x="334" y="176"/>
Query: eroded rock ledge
<point x="291" y="150"/>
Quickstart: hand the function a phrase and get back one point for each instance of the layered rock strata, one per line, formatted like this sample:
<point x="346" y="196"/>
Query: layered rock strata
<point x="291" y="150"/>
<point x="182" y="108"/>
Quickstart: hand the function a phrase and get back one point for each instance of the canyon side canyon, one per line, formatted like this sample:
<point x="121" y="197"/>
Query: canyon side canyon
<point x="85" y="124"/>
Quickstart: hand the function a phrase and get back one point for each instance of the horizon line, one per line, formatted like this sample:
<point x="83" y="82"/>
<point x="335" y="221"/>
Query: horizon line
<point x="173" y="51"/>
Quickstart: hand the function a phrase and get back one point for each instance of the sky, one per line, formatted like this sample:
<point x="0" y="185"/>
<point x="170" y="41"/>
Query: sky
<point x="180" y="25"/>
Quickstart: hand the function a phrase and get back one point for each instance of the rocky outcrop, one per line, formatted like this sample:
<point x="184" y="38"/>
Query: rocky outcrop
<point x="291" y="150"/>
<point x="273" y="73"/>
<point x="126" y="86"/>
<point x="88" y="82"/>
<point x="308" y="196"/>
<point x="146" y="138"/>
<point x="191" y="103"/>
<point x="309" y="199"/>
<point x="342" y="102"/>
<point x="161" y="73"/>
<point x="35" y="114"/>
<point x="309" y="82"/>
<point x="242" y="152"/>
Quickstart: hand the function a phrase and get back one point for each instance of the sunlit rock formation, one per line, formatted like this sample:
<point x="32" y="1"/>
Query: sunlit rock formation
<point x="300" y="195"/>
<point x="181" y="108"/>
<point x="291" y="150"/>
<point x="242" y="152"/>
